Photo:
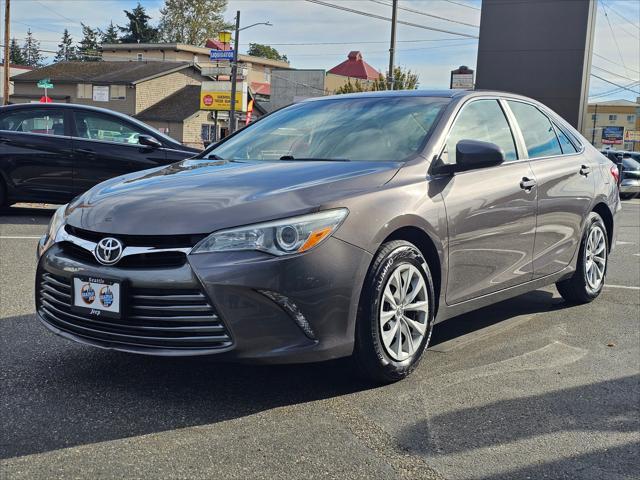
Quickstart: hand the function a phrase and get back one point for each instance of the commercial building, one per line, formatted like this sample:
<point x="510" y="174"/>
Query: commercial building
<point x="609" y="123"/>
<point x="14" y="70"/>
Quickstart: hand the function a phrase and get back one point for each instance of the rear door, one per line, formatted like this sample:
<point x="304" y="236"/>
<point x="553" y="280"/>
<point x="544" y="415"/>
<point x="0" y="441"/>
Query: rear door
<point x="565" y="187"/>
<point x="36" y="155"/>
<point x="106" y="146"/>
<point x="491" y="216"/>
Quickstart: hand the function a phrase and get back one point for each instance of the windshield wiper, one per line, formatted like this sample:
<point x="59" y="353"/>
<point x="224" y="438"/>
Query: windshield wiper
<point x="291" y="157"/>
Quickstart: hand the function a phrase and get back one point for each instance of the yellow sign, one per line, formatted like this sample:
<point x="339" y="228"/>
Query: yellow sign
<point x="219" y="101"/>
<point x="224" y="37"/>
<point x="632" y="136"/>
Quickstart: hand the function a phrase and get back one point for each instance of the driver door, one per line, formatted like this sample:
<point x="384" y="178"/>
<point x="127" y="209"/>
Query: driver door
<point x="491" y="217"/>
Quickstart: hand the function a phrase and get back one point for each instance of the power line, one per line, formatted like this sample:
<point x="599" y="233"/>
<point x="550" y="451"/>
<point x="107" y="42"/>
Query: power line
<point x="621" y="16"/>
<point x="613" y="73"/>
<point x="614" y="84"/>
<point x="462" y="4"/>
<point x="387" y="19"/>
<point x="612" y="91"/>
<point x="359" y="42"/>
<point x="419" y="12"/>
<point x="325" y="54"/>
<point x="58" y="13"/>
<point x="614" y="36"/>
<point x="614" y="63"/>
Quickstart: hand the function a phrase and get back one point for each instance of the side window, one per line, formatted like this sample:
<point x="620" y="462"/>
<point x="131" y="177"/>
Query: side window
<point x="482" y="120"/>
<point x="100" y="127"/>
<point x="539" y="135"/>
<point x="565" y="144"/>
<point x="47" y="122"/>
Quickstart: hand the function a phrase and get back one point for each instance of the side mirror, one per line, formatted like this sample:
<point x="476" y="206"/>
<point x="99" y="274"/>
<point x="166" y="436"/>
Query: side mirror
<point x="149" y="141"/>
<point x="472" y="154"/>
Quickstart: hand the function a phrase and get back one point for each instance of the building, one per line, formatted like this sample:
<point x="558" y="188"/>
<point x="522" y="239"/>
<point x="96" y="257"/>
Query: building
<point x="292" y="85"/>
<point x="14" y="70"/>
<point x="258" y="69"/>
<point x="623" y="114"/>
<point x="126" y="87"/>
<point x="179" y="116"/>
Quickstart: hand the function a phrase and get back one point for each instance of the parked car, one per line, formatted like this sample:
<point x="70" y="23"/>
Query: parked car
<point x="629" y="167"/>
<point x="380" y="214"/>
<point x="52" y="152"/>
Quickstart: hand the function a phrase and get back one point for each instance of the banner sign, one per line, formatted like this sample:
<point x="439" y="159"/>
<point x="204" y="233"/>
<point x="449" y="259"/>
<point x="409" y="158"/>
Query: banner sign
<point x="220" y="54"/>
<point x="217" y="96"/>
<point x="612" y="135"/>
<point x="632" y="136"/>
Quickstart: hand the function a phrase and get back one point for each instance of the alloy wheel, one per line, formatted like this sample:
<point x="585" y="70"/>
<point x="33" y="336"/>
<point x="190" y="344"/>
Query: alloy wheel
<point x="595" y="258"/>
<point x="403" y="312"/>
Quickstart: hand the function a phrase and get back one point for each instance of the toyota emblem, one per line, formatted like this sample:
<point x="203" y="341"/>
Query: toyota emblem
<point x="108" y="251"/>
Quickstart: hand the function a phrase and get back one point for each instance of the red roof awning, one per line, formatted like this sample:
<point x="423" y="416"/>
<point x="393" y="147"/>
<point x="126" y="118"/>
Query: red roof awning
<point x="355" y="67"/>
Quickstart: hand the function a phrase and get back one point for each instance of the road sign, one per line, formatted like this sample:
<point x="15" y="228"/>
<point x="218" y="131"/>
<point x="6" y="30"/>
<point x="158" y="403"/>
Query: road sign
<point x="45" y="83"/>
<point x="45" y="99"/>
<point x="221" y="54"/>
<point x="217" y="96"/>
<point x="215" y="71"/>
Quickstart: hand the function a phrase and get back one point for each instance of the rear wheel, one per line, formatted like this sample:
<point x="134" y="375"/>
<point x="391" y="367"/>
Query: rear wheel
<point x="588" y="280"/>
<point x="396" y="313"/>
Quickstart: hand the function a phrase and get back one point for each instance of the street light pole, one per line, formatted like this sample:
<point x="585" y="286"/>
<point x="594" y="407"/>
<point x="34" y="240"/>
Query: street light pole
<point x="392" y="48"/>
<point x="234" y="76"/>
<point x="593" y="133"/>
<point x="7" y="60"/>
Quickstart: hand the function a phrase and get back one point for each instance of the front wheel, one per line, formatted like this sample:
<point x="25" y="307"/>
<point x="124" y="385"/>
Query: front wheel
<point x="395" y="317"/>
<point x="588" y="279"/>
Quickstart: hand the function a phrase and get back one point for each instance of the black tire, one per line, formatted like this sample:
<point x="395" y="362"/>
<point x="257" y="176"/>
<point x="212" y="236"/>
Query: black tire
<point x="576" y="289"/>
<point x="371" y="357"/>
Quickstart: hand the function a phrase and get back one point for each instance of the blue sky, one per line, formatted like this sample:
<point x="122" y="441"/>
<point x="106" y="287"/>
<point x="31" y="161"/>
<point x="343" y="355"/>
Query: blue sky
<point x="431" y="54"/>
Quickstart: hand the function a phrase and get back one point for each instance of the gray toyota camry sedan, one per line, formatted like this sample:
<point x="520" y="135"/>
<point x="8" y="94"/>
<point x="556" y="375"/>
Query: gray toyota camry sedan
<point x="339" y="226"/>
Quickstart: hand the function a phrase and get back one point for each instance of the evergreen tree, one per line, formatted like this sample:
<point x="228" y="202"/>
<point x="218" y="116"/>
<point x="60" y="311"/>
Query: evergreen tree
<point x="31" y="51"/>
<point x="265" y="51"/>
<point x="15" y="53"/>
<point x="192" y="21"/>
<point x="138" y="29"/>
<point x="110" y="35"/>
<point x="66" y="49"/>
<point x="349" y="87"/>
<point x="88" y="47"/>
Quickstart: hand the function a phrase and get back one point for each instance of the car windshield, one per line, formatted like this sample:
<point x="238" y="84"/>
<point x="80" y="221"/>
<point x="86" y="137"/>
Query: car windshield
<point x="357" y="129"/>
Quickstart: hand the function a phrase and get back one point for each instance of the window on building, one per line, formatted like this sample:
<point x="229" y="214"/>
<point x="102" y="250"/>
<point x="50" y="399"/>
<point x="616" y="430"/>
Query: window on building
<point x="593" y="117"/>
<point x="539" y="135"/>
<point x="613" y="118"/>
<point x="482" y="120"/>
<point x="631" y="118"/>
<point x="100" y="127"/>
<point x="85" y="90"/>
<point x="118" y="92"/>
<point x="140" y="57"/>
<point x="267" y="75"/>
<point x="47" y="122"/>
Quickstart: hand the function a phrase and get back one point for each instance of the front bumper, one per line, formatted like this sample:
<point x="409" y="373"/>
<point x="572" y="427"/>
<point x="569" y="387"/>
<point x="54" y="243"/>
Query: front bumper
<point x="261" y="308"/>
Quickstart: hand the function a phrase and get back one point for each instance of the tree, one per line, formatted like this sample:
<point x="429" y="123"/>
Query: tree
<point x="192" y="21"/>
<point x="66" y="50"/>
<point x="265" y="51"/>
<point x="402" y="80"/>
<point x="138" y="29"/>
<point x="349" y="87"/>
<point x="88" y="46"/>
<point x="110" y="35"/>
<point x="31" y="51"/>
<point x="15" y="53"/>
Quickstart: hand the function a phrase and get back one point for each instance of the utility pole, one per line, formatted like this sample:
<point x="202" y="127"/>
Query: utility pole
<point x="234" y="76"/>
<point x="392" y="48"/>
<point x="7" y="61"/>
<point x="593" y="133"/>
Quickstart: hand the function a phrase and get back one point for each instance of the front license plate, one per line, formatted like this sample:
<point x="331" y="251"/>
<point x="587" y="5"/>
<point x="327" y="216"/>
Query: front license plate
<point x="96" y="296"/>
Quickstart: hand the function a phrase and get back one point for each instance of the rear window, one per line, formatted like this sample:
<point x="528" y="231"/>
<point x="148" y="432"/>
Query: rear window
<point x="538" y="132"/>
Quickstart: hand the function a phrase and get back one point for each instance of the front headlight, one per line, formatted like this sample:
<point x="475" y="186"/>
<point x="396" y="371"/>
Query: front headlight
<point x="57" y="220"/>
<point x="280" y="237"/>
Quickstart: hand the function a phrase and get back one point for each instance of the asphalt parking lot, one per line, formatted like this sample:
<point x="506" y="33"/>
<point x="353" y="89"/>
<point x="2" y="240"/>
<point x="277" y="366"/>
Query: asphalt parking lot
<point x="528" y="388"/>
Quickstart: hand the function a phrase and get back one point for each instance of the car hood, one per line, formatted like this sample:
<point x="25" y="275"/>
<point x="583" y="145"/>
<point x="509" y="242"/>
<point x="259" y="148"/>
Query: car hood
<point x="201" y="196"/>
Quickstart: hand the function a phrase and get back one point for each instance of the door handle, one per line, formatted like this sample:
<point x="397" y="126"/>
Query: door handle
<point x="527" y="184"/>
<point x="585" y="170"/>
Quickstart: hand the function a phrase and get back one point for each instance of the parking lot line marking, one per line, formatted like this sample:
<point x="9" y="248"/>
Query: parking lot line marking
<point x="14" y="237"/>
<point x="627" y="287"/>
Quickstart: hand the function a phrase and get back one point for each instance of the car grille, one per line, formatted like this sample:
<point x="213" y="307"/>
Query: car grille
<point x="152" y="319"/>
<point x="157" y="241"/>
<point x="142" y="260"/>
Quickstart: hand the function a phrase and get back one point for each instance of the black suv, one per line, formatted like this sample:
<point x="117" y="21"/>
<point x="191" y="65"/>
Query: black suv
<point x="52" y="152"/>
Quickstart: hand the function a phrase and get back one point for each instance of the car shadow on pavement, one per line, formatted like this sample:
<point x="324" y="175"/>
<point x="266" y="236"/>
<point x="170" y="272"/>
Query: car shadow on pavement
<point x="37" y="215"/>
<point x="57" y="394"/>
<point x="605" y="407"/>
